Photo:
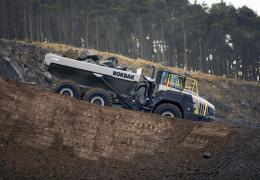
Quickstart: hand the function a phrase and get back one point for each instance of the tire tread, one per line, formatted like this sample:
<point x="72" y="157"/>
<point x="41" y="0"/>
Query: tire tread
<point x="59" y="83"/>
<point x="94" y="90"/>
<point x="169" y="105"/>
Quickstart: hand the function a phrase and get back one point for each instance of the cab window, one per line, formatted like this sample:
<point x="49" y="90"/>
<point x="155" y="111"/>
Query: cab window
<point x="172" y="80"/>
<point x="164" y="78"/>
<point x="175" y="81"/>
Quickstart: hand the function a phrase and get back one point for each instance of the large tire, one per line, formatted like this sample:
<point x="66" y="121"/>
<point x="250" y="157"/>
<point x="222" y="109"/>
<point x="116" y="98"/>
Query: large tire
<point x="67" y="88"/>
<point x="169" y="110"/>
<point x="98" y="96"/>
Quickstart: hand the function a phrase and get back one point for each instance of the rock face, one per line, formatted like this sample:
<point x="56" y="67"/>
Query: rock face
<point x="6" y="69"/>
<point x="23" y="62"/>
<point x="45" y="135"/>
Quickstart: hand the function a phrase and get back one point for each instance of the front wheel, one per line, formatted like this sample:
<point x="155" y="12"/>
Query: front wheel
<point x="169" y="110"/>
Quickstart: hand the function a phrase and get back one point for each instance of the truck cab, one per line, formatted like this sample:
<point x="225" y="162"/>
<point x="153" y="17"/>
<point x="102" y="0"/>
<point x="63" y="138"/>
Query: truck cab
<point x="177" y="95"/>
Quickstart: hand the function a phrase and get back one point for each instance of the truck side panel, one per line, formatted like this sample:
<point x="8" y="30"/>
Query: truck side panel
<point x="86" y="78"/>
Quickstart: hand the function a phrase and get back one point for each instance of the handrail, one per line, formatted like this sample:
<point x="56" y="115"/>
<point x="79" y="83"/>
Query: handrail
<point x="191" y="85"/>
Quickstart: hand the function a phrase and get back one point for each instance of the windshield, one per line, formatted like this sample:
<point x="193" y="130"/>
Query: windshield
<point x="179" y="82"/>
<point x="172" y="80"/>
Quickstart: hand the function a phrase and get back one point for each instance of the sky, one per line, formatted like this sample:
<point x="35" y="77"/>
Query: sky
<point x="253" y="4"/>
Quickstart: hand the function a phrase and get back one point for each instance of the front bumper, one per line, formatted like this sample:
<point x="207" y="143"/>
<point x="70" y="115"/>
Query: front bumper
<point x="206" y="118"/>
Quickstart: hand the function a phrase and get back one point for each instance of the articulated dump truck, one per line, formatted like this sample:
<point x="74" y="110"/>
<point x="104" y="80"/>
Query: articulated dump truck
<point x="106" y="83"/>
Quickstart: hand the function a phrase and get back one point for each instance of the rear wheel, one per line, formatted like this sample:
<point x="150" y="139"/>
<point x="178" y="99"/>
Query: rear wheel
<point x="169" y="110"/>
<point x="99" y="97"/>
<point x="67" y="88"/>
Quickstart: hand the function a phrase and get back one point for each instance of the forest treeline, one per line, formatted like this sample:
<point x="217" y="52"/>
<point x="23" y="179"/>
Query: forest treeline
<point x="220" y="40"/>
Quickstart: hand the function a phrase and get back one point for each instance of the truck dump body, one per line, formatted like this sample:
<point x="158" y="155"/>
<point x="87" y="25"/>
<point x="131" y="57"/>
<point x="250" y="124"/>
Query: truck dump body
<point x="82" y="73"/>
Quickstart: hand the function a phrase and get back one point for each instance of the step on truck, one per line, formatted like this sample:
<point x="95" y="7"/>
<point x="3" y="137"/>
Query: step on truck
<point x="106" y="83"/>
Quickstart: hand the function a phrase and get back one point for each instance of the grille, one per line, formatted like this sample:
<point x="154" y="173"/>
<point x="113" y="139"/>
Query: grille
<point x="201" y="110"/>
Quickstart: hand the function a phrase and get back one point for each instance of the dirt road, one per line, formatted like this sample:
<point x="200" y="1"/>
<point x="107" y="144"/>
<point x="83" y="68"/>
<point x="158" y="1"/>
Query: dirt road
<point x="48" y="136"/>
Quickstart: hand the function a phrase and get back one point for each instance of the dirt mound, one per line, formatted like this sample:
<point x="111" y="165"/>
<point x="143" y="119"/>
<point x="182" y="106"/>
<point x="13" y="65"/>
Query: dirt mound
<point x="48" y="136"/>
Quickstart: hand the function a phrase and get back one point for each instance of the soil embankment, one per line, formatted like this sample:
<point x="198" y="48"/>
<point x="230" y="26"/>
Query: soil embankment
<point x="48" y="136"/>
